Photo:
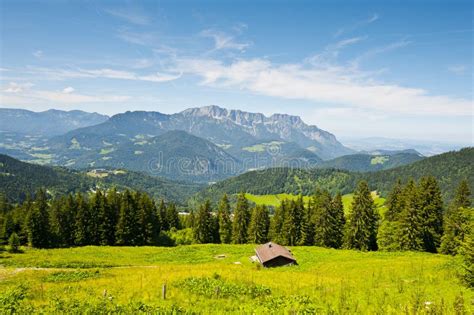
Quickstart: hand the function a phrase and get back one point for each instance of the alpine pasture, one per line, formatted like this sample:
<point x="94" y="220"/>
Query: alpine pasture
<point x="221" y="278"/>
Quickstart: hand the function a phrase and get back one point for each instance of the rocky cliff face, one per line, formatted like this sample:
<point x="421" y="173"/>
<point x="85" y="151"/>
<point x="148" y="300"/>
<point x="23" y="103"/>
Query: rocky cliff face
<point x="276" y="127"/>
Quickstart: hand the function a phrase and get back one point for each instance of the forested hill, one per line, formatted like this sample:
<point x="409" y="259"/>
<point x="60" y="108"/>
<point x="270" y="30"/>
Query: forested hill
<point x="448" y="168"/>
<point x="17" y="179"/>
<point x="371" y="162"/>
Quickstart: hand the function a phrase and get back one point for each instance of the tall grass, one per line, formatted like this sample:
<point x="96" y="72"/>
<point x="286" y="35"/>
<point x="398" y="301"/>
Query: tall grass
<point x="130" y="280"/>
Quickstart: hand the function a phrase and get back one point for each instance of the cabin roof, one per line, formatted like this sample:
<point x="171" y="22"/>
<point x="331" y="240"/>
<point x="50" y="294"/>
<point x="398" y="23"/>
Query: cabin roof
<point x="269" y="251"/>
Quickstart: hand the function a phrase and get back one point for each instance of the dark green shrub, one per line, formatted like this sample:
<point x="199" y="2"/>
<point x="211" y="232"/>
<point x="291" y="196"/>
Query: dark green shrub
<point x="14" y="243"/>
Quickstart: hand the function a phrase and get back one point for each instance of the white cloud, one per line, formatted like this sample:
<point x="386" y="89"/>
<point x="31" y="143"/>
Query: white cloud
<point x="142" y="38"/>
<point x="38" y="53"/>
<point x="379" y="50"/>
<point x="331" y="85"/>
<point x="14" y="87"/>
<point x="71" y="98"/>
<point x="374" y="17"/>
<point x="224" y="41"/>
<point x="346" y="42"/>
<point x="61" y="74"/>
<point x="457" y="69"/>
<point x="38" y="96"/>
<point x="239" y="28"/>
<point x="130" y="15"/>
<point x="68" y="90"/>
<point x="331" y="51"/>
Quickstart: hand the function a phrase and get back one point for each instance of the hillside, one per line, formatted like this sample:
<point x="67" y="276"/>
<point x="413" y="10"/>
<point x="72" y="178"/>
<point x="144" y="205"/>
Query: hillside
<point x="174" y="154"/>
<point x="449" y="169"/>
<point x="372" y="162"/>
<point x="19" y="178"/>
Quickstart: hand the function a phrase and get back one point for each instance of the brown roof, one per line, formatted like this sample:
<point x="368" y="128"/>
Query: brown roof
<point x="269" y="251"/>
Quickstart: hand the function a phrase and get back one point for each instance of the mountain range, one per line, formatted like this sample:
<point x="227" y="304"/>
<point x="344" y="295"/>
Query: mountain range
<point x="205" y="144"/>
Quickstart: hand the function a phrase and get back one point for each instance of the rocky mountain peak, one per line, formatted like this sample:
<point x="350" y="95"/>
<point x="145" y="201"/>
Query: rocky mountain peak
<point x="211" y="111"/>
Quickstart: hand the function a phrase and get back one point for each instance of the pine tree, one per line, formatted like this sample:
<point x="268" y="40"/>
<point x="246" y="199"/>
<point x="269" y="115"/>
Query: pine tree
<point x="276" y="223"/>
<point x="456" y="221"/>
<point x="4" y="204"/>
<point x="98" y="207"/>
<point x="300" y="210"/>
<point x="463" y="196"/>
<point x="225" y="223"/>
<point x="241" y="220"/>
<point x="38" y="228"/>
<point x="387" y="237"/>
<point x="395" y="202"/>
<point x="361" y="232"/>
<point x="107" y="216"/>
<point x="431" y="211"/>
<point x="128" y="227"/>
<point x="172" y="216"/>
<point x="410" y="232"/>
<point x="291" y="225"/>
<point x="21" y="217"/>
<point x="148" y="221"/>
<point x="214" y="226"/>
<point x="292" y="222"/>
<point x="328" y="219"/>
<point x="108" y="230"/>
<point x="55" y="219"/>
<point x="203" y="225"/>
<point x="307" y="225"/>
<point x="165" y="226"/>
<point x="8" y="226"/>
<point x="83" y="233"/>
<point x="323" y="220"/>
<point x="466" y="252"/>
<point x="340" y="221"/>
<point x="191" y="219"/>
<point x="67" y="223"/>
<point x="259" y="225"/>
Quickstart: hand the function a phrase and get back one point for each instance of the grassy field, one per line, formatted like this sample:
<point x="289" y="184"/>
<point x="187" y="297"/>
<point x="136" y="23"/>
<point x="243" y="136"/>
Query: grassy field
<point x="98" y="280"/>
<point x="275" y="200"/>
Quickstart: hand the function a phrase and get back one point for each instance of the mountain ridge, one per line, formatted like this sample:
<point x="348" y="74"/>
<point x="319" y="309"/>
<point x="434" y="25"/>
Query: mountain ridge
<point x="47" y="123"/>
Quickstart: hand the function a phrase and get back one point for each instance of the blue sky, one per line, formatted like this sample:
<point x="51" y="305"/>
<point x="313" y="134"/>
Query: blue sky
<point x="355" y="68"/>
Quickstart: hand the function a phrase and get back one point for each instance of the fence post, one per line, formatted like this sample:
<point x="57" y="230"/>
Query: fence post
<point x="163" y="291"/>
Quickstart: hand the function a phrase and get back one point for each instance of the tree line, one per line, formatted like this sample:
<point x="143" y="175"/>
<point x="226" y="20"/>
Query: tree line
<point x="103" y="218"/>
<point x="415" y="219"/>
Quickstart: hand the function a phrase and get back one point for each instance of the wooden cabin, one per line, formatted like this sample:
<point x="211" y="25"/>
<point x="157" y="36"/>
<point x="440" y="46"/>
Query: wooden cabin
<point x="274" y="255"/>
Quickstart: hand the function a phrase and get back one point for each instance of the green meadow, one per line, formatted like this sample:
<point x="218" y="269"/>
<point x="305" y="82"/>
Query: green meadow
<point x="221" y="278"/>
